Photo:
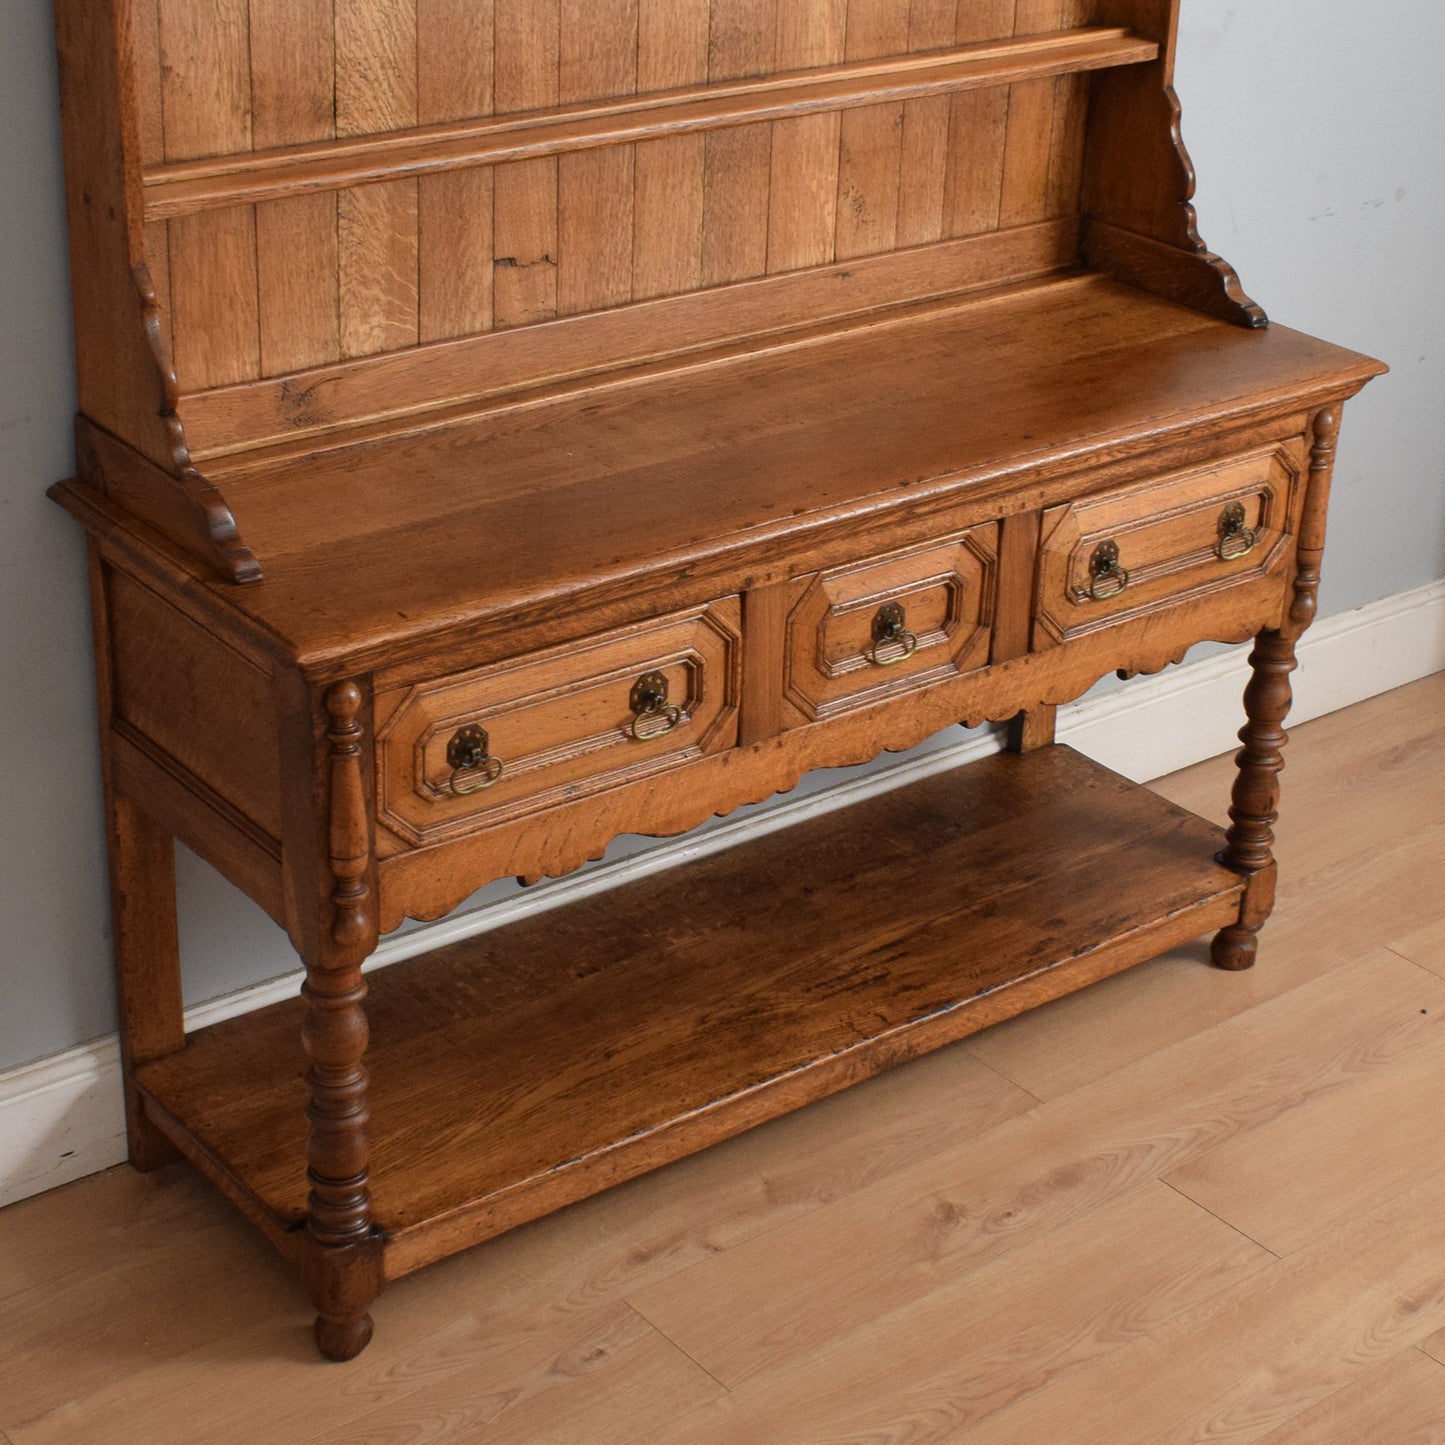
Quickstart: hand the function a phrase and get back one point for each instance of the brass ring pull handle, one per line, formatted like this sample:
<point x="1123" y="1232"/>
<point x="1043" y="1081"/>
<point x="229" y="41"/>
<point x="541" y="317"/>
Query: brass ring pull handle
<point x="470" y="758"/>
<point x="1235" y="539"/>
<point x="890" y="625"/>
<point x="1106" y="577"/>
<point x="650" y="706"/>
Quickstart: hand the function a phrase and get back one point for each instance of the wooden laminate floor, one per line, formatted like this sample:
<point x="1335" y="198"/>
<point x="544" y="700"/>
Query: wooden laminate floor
<point x="1180" y="1206"/>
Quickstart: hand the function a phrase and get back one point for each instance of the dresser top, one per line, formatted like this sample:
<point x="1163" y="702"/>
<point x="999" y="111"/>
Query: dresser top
<point x="718" y="467"/>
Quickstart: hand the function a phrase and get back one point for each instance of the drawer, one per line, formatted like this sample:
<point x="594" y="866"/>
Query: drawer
<point x="486" y="746"/>
<point x="891" y="624"/>
<point x="1125" y="552"/>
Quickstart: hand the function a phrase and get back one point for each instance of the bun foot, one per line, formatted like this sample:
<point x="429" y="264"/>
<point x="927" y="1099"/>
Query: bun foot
<point x="1234" y="948"/>
<point x="342" y="1339"/>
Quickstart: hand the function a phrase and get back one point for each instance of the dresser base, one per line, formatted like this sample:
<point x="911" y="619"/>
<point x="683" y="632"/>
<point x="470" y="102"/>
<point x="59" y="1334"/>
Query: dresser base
<point x="535" y="1065"/>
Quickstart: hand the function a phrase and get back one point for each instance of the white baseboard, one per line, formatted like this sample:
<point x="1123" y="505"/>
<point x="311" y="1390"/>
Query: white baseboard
<point x="61" y="1117"/>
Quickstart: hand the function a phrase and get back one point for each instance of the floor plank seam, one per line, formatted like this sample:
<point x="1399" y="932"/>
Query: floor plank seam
<point x="999" y="1073"/>
<point x="1399" y="953"/>
<point x="1377" y="1206"/>
<point x="1419" y="1349"/>
<point x="1227" y="1223"/>
<point x="663" y="1335"/>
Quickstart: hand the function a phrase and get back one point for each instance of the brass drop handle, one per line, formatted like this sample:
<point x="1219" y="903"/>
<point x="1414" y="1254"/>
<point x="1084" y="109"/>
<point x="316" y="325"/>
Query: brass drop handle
<point x="890" y="625"/>
<point x="650" y="707"/>
<point x="469" y="756"/>
<point x="1107" y="578"/>
<point x="1235" y="539"/>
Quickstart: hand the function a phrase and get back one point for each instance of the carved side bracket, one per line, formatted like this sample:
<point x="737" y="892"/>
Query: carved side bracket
<point x="1140" y="223"/>
<point x="205" y="517"/>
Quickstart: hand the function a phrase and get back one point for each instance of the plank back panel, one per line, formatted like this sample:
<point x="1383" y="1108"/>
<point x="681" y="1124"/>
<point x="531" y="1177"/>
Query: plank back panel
<point x="268" y="293"/>
<point x="293" y="99"/>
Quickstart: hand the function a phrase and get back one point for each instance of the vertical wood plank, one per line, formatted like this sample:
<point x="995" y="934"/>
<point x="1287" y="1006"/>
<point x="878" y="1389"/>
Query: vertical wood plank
<point x="214" y="301"/>
<point x="299" y="282"/>
<point x="146" y="57"/>
<point x="924" y="165"/>
<point x="598" y="58"/>
<point x="1029" y="144"/>
<point x="1066" y="155"/>
<point x="524" y="281"/>
<point x="454" y="70"/>
<point x="454" y="211"/>
<point x="743" y="42"/>
<point x="984" y="20"/>
<point x="1037" y="17"/>
<point x="1027" y="153"/>
<point x="293" y="97"/>
<point x="206" y="110"/>
<point x="871" y="140"/>
<point x="377" y="225"/>
<point x="803" y="183"/>
<point x="205" y="77"/>
<point x="672" y="50"/>
<point x="977" y="130"/>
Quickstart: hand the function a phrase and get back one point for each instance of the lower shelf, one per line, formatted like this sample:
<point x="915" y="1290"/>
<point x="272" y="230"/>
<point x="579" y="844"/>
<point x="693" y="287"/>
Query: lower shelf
<point x="535" y="1065"/>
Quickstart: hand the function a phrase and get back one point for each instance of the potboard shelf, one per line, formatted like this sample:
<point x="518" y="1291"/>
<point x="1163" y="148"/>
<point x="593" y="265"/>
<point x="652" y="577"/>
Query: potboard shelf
<point x="536" y="1065"/>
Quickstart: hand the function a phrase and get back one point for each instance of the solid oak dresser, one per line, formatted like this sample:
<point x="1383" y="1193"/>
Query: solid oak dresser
<point x="510" y="424"/>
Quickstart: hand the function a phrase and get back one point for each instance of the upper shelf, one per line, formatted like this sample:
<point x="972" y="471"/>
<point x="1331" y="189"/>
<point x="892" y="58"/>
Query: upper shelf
<point x="184" y="187"/>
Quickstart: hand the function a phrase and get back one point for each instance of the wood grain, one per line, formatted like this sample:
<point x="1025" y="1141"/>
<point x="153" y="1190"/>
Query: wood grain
<point x="189" y="1322"/>
<point x="798" y="1053"/>
<point x="596" y="188"/>
<point x="1137" y="375"/>
<point x="772" y="1300"/>
<point x="206" y="72"/>
<point x="803" y="168"/>
<point x="736" y="175"/>
<point x="455" y="80"/>
<point x="1402" y="1399"/>
<point x="185" y="187"/>
<point x="668" y="174"/>
<point x="293" y="90"/>
<point x="978" y="130"/>
<point x="1323" y="1318"/>
<point x="381" y="391"/>
<point x="528" y="60"/>
<point x="1311" y="1171"/>
<point x="871" y="140"/>
<point x="932" y="25"/>
<point x="1014" y="1327"/>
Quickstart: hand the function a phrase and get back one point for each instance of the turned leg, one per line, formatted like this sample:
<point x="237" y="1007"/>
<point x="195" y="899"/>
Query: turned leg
<point x="342" y="1264"/>
<point x="1254" y="808"/>
<point x="147" y="961"/>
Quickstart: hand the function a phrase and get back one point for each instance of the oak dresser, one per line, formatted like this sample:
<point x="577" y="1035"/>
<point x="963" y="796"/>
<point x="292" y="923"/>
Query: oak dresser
<point x="511" y="424"/>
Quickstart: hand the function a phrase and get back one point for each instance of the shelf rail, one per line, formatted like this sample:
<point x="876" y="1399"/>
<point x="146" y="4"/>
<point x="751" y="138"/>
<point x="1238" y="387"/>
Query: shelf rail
<point x="182" y="188"/>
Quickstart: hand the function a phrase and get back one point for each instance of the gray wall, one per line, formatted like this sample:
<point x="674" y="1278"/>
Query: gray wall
<point x="1320" y="139"/>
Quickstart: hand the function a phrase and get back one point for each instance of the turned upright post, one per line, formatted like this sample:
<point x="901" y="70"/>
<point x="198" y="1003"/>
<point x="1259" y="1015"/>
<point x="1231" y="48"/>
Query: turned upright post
<point x="341" y="1272"/>
<point x="1254" y="807"/>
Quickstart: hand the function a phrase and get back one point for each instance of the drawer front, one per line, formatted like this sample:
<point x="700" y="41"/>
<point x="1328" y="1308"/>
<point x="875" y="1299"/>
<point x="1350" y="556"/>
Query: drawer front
<point x="483" y="747"/>
<point x="888" y="625"/>
<point x="1121" y="554"/>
